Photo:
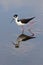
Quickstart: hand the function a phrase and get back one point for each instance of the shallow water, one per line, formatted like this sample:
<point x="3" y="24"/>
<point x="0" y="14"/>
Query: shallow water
<point x="29" y="52"/>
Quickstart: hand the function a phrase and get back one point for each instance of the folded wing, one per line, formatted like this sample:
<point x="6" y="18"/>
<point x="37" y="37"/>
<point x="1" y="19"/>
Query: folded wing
<point x="26" y="20"/>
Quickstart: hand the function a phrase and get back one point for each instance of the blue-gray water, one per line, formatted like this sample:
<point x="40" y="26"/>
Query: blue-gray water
<point x="30" y="52"/>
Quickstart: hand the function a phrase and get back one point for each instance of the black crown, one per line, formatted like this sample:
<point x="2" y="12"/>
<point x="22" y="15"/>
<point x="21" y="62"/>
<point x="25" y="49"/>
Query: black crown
<point x="15" y="15"/>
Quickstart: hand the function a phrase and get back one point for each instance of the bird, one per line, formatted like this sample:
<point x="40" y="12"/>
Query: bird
<point x="21" y="22"/>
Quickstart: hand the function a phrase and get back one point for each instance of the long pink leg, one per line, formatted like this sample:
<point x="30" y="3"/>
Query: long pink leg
<point x="22" y="29"/>
<point x="31" y="24"/>
<point x="31" y="32"/>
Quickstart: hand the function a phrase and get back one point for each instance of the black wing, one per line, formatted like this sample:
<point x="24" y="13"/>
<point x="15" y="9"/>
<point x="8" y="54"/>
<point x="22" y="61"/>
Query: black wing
<point x="26" y="20"/>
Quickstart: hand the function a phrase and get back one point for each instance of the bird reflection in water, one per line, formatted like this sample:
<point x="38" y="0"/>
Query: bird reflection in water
<point x="22" y="37"/>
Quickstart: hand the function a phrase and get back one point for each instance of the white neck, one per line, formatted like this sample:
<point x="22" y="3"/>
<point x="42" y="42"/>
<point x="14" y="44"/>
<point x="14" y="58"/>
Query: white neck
<point x="16" y="19"/>
<point x="18" y="23"/>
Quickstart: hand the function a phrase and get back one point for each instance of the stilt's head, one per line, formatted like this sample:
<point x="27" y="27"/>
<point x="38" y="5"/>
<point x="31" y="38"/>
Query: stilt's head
<point x="15" y="16"/>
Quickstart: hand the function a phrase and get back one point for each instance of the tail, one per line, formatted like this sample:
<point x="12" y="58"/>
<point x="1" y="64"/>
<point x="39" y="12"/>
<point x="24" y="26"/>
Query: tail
<point x="31" y="18"/>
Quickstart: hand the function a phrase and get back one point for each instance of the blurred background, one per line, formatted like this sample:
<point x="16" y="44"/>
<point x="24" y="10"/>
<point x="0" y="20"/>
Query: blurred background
<point x="31" y="51"/>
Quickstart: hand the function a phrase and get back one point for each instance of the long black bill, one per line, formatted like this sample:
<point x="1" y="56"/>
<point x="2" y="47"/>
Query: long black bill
<point x="12" y="20"/>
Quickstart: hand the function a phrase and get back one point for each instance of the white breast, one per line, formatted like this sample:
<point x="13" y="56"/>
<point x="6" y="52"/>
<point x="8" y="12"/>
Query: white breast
<point x="19" y="23"/>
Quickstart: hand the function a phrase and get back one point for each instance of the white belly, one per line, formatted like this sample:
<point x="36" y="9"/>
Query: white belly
<point x="19" y="23"/>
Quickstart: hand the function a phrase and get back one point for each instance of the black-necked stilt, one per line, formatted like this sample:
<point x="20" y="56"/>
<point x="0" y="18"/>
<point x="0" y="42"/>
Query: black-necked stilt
<point x="21" y="22"/>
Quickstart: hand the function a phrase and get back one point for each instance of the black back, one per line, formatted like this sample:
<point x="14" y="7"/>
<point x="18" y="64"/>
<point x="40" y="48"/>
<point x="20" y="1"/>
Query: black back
<point x="26" y="20"/>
